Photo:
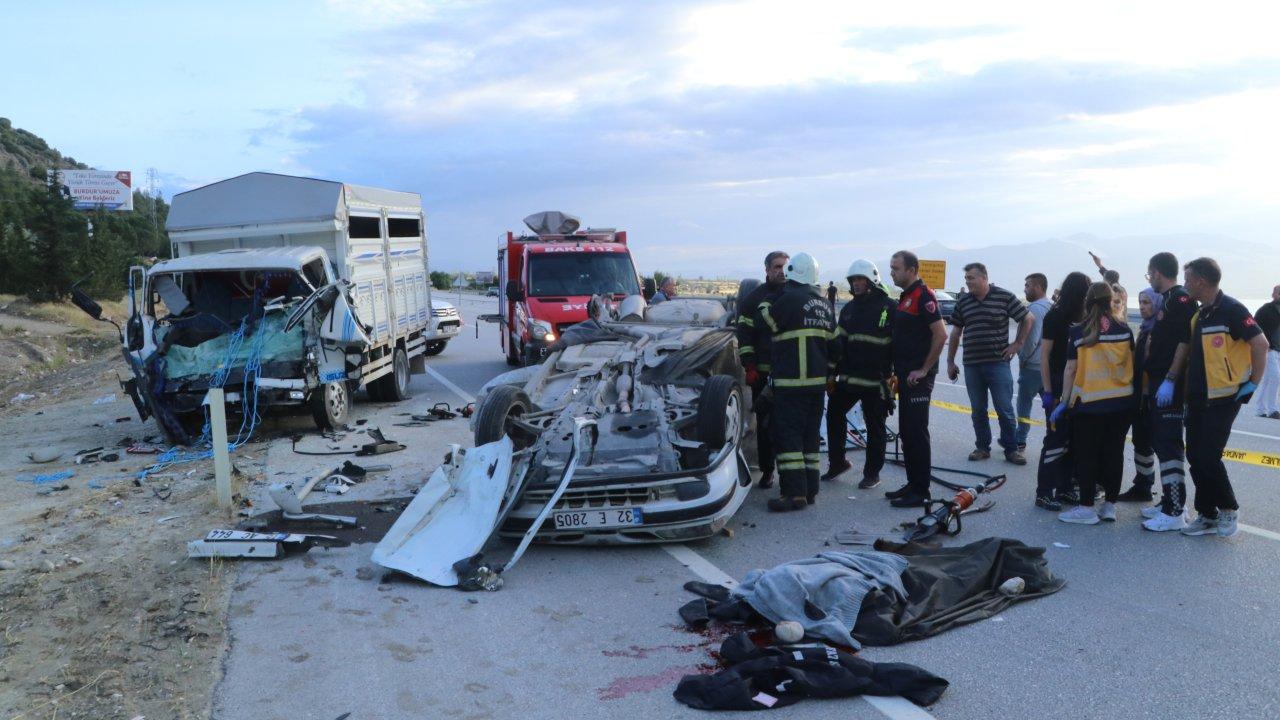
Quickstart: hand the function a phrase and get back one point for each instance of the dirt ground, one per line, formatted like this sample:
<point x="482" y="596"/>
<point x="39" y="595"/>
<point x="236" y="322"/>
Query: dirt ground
<point x="102" y="615"/>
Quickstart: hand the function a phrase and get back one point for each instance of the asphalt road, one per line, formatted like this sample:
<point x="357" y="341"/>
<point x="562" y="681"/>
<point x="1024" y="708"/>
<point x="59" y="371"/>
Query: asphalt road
<point x="1148" y="626"/>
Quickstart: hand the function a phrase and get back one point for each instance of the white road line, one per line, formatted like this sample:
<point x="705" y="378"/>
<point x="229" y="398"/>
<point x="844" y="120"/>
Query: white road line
<point x="1233" y="430"/>
<point x="894" y="707"/>
<point x="1260" y="532"/>
<point x="700" y="565"/>
<point x="449" y="384"/>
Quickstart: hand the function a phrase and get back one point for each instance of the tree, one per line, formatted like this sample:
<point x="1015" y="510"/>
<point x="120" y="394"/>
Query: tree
<point x="57" y="232"/>
<point x="659" y="277"/>
<point x="441" y="280"/>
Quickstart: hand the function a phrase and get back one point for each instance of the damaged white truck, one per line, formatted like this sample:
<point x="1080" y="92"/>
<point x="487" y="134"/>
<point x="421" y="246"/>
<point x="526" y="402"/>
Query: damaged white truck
<point x="286" y="291"/>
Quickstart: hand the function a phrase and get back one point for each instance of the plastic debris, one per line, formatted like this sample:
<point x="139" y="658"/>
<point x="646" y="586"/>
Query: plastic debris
<point x="46" y="478"/>
<point x="105" y="399"/>
<point x="1061" y="545"/>
<point x="22" y="397"/>
<point x="44" y="455"/>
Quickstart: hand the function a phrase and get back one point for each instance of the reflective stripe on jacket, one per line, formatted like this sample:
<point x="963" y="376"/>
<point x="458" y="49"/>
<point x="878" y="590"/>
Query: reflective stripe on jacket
<point x="1227" y="360"/>
<point x="1104" y="370"/>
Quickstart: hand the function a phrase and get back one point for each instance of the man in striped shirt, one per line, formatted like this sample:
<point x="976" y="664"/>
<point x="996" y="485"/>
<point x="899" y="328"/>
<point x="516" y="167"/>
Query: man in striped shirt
<point x="982" y="317"/>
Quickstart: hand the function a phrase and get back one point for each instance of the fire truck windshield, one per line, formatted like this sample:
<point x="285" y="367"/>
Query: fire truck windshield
<point x="566" y="274"/>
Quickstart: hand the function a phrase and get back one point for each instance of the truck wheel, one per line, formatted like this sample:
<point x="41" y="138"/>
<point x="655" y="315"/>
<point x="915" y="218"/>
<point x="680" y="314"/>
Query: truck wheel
<point x="435" y="348"/>
<point x="493" y="418"/>
<point x="330" y="405"/>
<point x="720" y="412"/>
<point x="394" y="386"/>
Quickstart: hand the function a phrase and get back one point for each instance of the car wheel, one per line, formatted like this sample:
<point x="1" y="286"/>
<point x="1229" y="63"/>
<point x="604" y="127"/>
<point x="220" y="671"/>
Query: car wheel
<point x="494" y="417"/>
<point x="435" y="348"/>
<point x="720" y="412"/>
<point x="330" y="405"/>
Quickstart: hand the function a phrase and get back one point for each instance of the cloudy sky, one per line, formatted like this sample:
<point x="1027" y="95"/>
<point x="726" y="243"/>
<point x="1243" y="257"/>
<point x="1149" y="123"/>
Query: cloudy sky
<point x="714" y="132"/>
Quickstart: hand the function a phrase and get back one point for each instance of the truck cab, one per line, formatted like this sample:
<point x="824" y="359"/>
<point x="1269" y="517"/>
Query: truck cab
<point x="548" y="277"/>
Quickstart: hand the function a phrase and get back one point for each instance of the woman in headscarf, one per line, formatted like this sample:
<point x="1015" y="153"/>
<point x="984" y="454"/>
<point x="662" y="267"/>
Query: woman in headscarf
<point x="1144" y="456"/>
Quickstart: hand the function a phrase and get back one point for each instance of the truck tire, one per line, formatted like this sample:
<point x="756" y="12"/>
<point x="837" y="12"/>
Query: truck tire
<point x="720" y="412"/>
<point x="435" y="348"/>
<point x="330" y="405"/>
<point x="493" y="417"/>
<point x="394" y="386"/>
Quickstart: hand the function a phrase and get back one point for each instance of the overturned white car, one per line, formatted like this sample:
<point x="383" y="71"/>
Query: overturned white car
<point x="663" y="386"/>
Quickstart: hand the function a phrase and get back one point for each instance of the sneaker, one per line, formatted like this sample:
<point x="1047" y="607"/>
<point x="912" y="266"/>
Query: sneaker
<point x="1070" y="497"/>
<point x="1048" y="503"/>
<point x="1201" y="526"/>
<point x="1016" y="457"/>
<point x="787" y="504"/>
<point x="1228" y="522"/>
<point x="766" y="480"/>
<point x="1107" y="511"/>
<point x="869" y="482"/>
<point x="1022" y="447"/>
<point x="1137" y="493"/>
<point x="1080" y="515"/>
<point x="895" y="494"/>
<point x="979" y="454"/>
<point x="836" y="470"/>
<point x="1275" y="415"/>
<point x="912" y="498"/>
<point x="1153" y="511"/>
<point x="1164" y="523"/>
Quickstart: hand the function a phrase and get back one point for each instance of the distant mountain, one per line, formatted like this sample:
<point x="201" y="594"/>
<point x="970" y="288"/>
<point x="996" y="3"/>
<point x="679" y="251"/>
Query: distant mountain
<point x="23" y="150"/>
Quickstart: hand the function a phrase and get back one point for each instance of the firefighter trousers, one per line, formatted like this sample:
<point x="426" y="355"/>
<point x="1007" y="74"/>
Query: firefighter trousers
<point x="762" y="406"/>
<point x="797" y="437"/>
<point x="874" y="410"/>
<point x="913" y="430"/>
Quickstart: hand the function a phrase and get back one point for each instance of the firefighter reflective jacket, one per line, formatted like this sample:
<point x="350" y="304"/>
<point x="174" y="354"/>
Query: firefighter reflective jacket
<point x="753" y="332"/>
<point x="801" y="333"/>
<point x="1104" y="370"/>
<point x="861" y="355"/>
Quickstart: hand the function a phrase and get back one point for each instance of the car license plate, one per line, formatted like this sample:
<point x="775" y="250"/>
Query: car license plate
<point x="603" y="518"/>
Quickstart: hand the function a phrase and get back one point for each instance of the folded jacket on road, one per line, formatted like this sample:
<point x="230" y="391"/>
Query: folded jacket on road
<point x="760" y="678"/>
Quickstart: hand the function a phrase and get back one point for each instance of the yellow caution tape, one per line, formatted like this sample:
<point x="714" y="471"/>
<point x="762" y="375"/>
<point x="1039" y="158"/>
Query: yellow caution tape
<point x="1248" y="457"/>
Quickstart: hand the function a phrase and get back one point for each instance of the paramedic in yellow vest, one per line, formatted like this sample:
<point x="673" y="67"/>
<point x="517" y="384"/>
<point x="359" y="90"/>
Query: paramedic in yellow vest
<point x="1226" y="360"/>
<point x="1098" y="392"/>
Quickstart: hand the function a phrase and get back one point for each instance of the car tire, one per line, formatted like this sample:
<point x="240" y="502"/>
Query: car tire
<point x="721" y="411"/>
<point x="330" y="405"/>
<point x="499" y="407"/>
<point x="435" y="348"/>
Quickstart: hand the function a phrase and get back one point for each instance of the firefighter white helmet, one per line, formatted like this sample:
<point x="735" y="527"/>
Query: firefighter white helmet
<point x="802" y="268"/>
<point x="866" y="269"/>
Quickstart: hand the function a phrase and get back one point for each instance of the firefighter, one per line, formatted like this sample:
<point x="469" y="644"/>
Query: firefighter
<point x="801" y="332"/>
<point x="753" y="332"/>
<point x="862" y="364"/>
<point x="918" y="337"/>
<point x="1226" y="361"/>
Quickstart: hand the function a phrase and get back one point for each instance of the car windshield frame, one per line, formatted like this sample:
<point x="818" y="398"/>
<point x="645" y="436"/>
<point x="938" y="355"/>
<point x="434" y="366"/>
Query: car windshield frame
<point x="582" y="274"/>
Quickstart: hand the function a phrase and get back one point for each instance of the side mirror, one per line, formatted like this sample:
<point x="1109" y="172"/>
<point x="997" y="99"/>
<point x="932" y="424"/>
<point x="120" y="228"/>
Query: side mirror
<point x="86" y="303"/>
<point x="650" y="288"/>
<point x="515" y="293"/>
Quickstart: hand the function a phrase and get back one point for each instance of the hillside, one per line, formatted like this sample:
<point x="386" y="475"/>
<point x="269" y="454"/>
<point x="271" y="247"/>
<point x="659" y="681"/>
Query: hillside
<point x="23" y="150"/>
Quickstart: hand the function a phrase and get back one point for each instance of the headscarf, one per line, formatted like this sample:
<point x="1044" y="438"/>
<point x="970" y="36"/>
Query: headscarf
<point x="1157" y="302"/>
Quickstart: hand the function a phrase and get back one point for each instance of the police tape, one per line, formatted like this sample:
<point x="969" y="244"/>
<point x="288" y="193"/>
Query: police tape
<point x="1248" y="457"/>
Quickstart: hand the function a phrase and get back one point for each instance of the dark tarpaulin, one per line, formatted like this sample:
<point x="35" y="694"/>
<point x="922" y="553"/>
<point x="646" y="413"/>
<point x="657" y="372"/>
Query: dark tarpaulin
<point x="951" y="586"/>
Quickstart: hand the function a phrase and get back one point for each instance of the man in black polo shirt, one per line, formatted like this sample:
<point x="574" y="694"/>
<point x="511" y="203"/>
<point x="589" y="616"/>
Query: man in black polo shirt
<point x="1226" y="361"/>
<point x="983" y="316"/>
<point x="918" y="337"/>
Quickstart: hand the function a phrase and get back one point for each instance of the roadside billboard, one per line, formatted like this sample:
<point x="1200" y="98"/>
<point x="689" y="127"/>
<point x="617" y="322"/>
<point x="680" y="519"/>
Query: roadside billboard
<point x="93" y="189"/>
<point x="934" y="273"/>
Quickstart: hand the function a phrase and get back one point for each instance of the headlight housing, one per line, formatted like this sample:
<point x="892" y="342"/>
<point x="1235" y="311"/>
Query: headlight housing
<point x="542" y="330"/>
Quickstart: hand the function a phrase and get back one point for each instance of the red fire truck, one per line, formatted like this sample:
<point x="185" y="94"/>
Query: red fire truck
<point x="550" y="275"/>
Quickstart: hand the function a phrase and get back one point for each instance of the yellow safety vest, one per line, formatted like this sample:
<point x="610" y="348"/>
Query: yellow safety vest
<point x="1104" y="371"/>
<point x="1228" y="361"/>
